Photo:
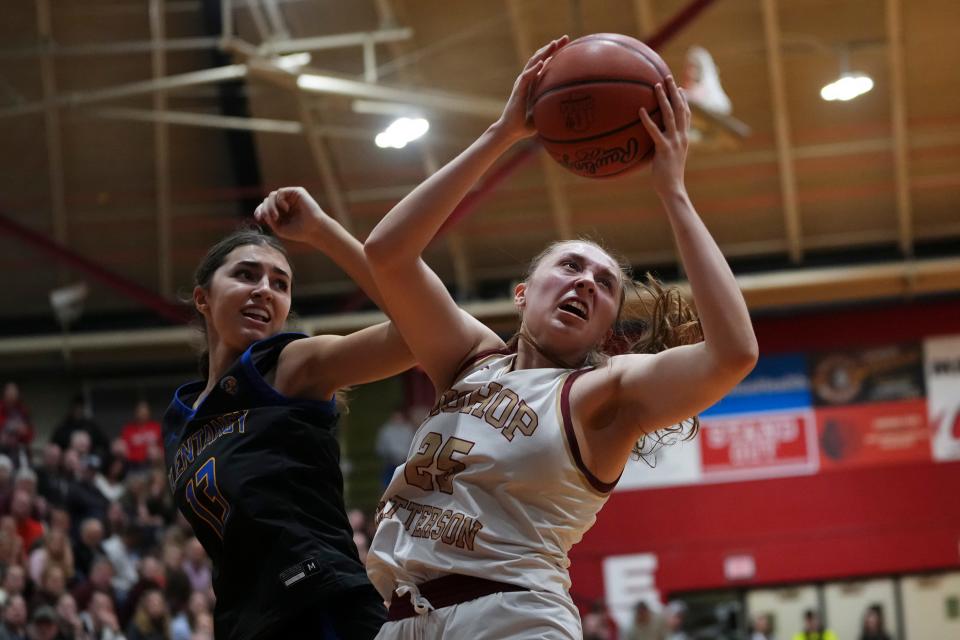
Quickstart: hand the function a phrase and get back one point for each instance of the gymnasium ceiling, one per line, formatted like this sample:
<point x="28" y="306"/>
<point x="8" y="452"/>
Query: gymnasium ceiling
<point x="134" y="136"/>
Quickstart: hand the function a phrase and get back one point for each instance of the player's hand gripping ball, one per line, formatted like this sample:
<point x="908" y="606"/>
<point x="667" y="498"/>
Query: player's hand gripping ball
<point x="586" y="104"/>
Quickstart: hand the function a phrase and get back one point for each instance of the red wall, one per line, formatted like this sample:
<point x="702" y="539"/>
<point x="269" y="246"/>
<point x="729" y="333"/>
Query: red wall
<point x="879" y="520"/>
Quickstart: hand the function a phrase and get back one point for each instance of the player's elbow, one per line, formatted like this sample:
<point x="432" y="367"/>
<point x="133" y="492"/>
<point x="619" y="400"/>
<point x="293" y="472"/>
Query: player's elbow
<point x="378" y="251"/>
<point x="742" y="357"/>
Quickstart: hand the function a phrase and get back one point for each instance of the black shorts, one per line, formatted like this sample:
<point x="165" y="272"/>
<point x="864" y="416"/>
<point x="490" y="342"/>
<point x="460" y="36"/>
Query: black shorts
<point x="354" y="614"/>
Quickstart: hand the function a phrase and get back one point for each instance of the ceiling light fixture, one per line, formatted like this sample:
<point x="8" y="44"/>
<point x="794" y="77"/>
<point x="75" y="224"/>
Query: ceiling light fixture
<point x="293" y="61"/>
<point x="849" y="85"/>
<point x="401" y="131"/>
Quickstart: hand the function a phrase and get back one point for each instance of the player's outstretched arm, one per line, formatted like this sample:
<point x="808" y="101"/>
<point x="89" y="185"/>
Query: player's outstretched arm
<point x="440" y="335"/>
<point x="649" y="392"/>
<point x="293" y="214"/>
<point x="317" y="367"/>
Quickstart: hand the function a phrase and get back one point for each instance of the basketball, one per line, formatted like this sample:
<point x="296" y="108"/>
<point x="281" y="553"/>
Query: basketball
<point x="586" y="104"/>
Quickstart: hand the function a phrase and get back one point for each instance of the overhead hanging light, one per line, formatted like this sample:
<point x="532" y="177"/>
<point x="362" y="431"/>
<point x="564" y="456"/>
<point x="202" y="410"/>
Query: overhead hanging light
<point x="401" y="131"/>
<point x="849" y="85"/>
<point x="293" y="61"/>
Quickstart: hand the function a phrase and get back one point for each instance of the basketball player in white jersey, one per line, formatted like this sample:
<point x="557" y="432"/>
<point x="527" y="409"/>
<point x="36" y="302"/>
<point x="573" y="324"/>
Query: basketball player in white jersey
<point x="524" y="445"/>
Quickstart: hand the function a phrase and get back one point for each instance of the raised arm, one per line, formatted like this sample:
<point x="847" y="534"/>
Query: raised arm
<point x="293" y="214"/>
<point x="649" y="392"/>
<point x="439" y="333"/>
<point x="316" y="367"/>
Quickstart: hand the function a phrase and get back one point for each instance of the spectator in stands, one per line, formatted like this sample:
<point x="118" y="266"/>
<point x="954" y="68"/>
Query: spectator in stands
<point x="646" y="624"/>
<point x="11" y="546"/>
<point x="204" y="627"/>
<point x="111" y="479"/>
<point x="150" y="577"/>
<point x="137" y="502"/>
<point x="84" y="500"/>
<point x="393" y="443"/>
<point x="52" y="585"/>
<point x="99" y="581"/>
<point x="196" y="565"/>
<point x="54" y="550"/>
<point x="21" y="509"/>
<point x="676" y="612"/>
<point x="89" y="545"/>
<point x="813" y="628"/>
<point x="25" y="480"/>
<point x="177" y="587"/>
<point x="6" y="482"/>
<point x="185" y="624"/>
<point x="762" y="628"/>
<point x="140" y="435"/>
<point x="121" y="549"/>
<point x="68" y="619"/>
<point x="16" y="428"/>
<point x="151" y="621"/>
<point x="100" y="618"/>
<point x="82" y="443"/>
<point x="159" y="500"/>
<point x="52" y="482"/>
<point x="14" y="623"/>
<point x="598" y="624"/>
<point x="44" y="624"/>
<point x="58" y="518"/>
<point x="14" y="583"/>
<point x="874" y="627"/>
<point x="78" y="419"/>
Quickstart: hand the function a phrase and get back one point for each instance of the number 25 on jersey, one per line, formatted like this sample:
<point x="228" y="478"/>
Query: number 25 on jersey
<point x="433" y="449"/>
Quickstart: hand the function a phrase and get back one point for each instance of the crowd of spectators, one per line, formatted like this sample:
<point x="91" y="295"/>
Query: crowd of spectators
<point x="91" y="545"/>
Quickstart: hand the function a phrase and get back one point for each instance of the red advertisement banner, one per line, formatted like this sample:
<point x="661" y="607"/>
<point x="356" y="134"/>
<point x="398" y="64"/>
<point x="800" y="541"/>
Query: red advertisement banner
<point x="758" y="445"/>
<point x="873" y="434"/>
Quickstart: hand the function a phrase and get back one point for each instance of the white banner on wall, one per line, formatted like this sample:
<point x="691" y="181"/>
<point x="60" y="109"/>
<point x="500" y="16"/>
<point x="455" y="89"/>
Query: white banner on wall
<point x="674" y="463"/>
<point x="941" y="364"/>
<point x="626" y="581"/>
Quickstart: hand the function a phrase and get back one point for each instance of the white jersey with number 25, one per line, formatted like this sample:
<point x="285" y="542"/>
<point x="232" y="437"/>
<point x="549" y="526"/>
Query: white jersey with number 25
<point x="494" y="485"/>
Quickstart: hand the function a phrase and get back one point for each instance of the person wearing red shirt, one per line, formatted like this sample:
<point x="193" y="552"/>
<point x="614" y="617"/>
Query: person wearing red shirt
<point x="16" y="428"/>
<point x="141" y="434"/>
<point x="29" y="529"/>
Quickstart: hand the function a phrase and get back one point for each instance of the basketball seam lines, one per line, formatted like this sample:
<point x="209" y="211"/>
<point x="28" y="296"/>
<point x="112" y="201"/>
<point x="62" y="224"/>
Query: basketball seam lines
<point x="579" y="83"/>
<point x="599" y="135"/>
<point x="624" y="45"/>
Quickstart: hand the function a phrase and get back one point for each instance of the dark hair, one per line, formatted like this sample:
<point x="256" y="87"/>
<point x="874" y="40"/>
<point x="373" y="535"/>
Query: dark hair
<point x="658" y="319"/>
<point x="214" y="259"/>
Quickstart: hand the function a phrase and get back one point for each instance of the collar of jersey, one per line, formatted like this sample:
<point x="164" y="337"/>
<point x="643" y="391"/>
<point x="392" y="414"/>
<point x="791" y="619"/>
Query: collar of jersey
<point x="253" y="375"/>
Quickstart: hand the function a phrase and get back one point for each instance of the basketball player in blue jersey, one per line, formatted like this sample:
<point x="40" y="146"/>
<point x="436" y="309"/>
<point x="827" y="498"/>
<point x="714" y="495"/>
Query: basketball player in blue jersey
<point x="252" y="451"/>
<point x="527" y="440"/>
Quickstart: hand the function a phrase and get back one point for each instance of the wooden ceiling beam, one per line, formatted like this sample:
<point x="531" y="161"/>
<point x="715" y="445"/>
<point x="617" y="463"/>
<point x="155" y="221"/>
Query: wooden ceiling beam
<point x="898" y="112"/>
<point x="899" y="280"/>
<point x="457" y="248"/>
<point x="332" y="189"/>
<point x="161" y="146"/>
<point x="781" y="122"/>
<point x="75" y="98"/>
<point x="559" y="205"/>
<point x="644" y="17"/>
<point x="51" y="119"/>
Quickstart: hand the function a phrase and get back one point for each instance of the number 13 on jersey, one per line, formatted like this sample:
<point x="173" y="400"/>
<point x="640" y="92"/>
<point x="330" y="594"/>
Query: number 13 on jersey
<point x="204" y="497"/>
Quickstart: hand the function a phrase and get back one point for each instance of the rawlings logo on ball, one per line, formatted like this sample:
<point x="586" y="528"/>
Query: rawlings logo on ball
<point x="577" y="112"/>
<point x="596" y="158"/>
